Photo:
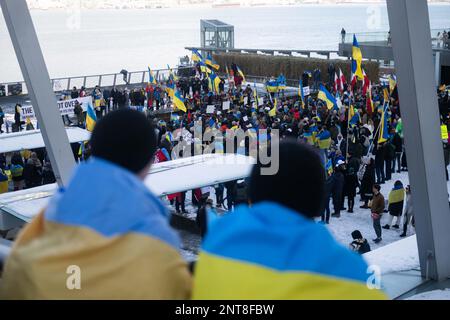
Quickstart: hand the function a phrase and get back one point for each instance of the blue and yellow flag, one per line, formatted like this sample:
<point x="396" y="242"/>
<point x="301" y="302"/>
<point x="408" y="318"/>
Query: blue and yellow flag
<point x="196" y="56"/>
<point x="151" y="78"/>
<point x="329" y="167"/>
<point x="204" y="68"/>
<point x="301" y="93"/>
<point x="215" y="81"/>
<point x="91" y="118"/>
<point x="178" y="101"/>
<point x="384" y="126"/>
<point x="353" y="115"/>
<point x="240" y="73"/>
<point x="104" y="238"/>
<point x="357" y="60"/>
<point x="326" y="97"/>
<point x="273" y="111"/>
<point x="236" y="264"/>
<point x="211" y="63"/>
<point x="272" y="86"/>
<point x="172" y="75"/>
<point x="170" y="88"/>
<point x="392" y="83"/>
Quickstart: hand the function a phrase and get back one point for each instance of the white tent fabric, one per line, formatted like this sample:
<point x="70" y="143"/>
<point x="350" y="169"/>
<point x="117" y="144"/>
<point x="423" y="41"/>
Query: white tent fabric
<point x="33" y="139"/>
<point x="164" y="178"/>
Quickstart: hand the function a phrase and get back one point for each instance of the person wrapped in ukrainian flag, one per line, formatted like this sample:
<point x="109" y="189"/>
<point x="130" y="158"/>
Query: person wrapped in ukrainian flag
<point x="274" y="249"/>
<point x="105" y="236"/>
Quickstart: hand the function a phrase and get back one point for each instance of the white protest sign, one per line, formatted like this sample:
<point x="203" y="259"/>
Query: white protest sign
<point x="245" y="118"/>
<point x="27" y="112"/>
<point x="260" y="101"/>
<point x="210" y="109"/>
<point x="226" y="105"/>
<point x="66" y="107"/>
<point x="245" y="100"/>
<point x="306" y="91"/>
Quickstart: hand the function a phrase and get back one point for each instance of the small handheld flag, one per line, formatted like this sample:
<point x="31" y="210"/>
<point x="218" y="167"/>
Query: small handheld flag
<point x="326" y="97"/>
<point x="91" y="118"/>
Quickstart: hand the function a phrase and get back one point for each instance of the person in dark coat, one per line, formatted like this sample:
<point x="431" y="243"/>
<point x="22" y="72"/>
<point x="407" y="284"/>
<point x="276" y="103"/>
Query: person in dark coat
<point x="389" y="157"/>
<point x="2" y="115"/>
<point x="350" y="184"/>
<point x="48" y="177"/>
<point x="398" y="144"/>
<point x="367" y="183"/>
<point x="17" y="117"/>
<point x="32" y="172"/>
<point x="359" y="243"/>
<point x="328" y="191"/>
<point x="338" y="188"/>
<point x="379" y="164"/>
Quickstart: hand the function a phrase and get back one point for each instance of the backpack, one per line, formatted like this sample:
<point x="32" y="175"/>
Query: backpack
<point x="16" y="170"/>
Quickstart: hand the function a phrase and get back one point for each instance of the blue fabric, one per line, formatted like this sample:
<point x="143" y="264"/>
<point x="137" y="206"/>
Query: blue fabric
<point x="277" y="237"/>
<point x="112" y="201"/>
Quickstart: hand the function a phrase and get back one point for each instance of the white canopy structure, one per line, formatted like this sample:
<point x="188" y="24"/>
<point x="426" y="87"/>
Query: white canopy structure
<point x="164" y="178"/>
<point x="27" y="140"/>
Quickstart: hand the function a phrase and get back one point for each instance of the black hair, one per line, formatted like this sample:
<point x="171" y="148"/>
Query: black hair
<point x="299" y="183"/>
<point x="377" y="186"/>
<point x="356" y="235"/>
<point x="126" y="138"/>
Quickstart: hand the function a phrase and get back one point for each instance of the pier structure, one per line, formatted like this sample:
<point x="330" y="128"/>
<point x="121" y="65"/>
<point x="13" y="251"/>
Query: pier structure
<point x="377" y="46"/>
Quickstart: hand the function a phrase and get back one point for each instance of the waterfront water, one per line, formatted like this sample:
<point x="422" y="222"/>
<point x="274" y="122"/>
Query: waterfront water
<point x="106" y="41"/>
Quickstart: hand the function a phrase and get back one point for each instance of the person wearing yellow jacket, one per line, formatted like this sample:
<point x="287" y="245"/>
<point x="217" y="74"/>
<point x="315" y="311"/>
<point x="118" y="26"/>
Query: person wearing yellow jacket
<point x="105" y="236"/>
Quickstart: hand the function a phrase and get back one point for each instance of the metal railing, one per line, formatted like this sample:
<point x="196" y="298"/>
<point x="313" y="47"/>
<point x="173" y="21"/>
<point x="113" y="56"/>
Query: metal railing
<point x="101" y="80"/>
<point x="382" y="38"/>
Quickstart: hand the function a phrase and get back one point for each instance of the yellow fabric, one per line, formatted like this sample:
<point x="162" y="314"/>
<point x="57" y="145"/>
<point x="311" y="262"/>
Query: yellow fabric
<point x="223" y="279"/>
<point x="131" y="266"/>
<point x="444" y="132"/>
<point x="3" y="187"/>
<point x="324" y="144"/>
<point x="396" y="196"/>
<point x="26" y="154"/>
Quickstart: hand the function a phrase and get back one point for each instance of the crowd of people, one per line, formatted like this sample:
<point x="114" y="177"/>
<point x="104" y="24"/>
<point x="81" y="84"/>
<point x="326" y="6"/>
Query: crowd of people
<point x="347" y="136"/>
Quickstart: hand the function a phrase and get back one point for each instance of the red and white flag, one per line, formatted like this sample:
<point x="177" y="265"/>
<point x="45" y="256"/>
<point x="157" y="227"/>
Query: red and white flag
<point x="337" y="83"/>
<point x="366" y="83"/>
<point x="343" y="82"/>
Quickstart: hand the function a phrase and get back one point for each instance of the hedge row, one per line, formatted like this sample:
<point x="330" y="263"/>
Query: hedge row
<point x="291" y="67"/>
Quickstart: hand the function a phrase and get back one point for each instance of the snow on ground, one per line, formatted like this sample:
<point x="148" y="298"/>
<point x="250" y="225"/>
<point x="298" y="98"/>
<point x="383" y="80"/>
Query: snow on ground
<point x="398" y="256"/>
<point x="432" y="295"/>
<point x="361" y="219"/>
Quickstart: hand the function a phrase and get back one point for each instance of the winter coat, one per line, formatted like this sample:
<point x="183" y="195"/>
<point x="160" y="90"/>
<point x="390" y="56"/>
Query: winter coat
<point x="368" y="181"/>
<point x="397" y="142"/>
<point x="396" y="199"/>
<point x="338" y="185"/>
<point x="378" y="204"/>
<point x="360" y="245"/>
<point x="350" y="185"/>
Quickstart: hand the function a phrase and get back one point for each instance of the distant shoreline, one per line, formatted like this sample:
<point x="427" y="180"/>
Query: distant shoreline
<point x="210" y="6"/>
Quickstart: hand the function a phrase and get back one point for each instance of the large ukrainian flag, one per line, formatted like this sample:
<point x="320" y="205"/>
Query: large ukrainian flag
<point x="327" y="97"/>
<point x="384" y="125"/>
<point x="110" y="227"/>
<point x="196" y="56"/>
<point x="271" y="252"/>
<point x="357" y="59"/>
<point x="178" y="101"/>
